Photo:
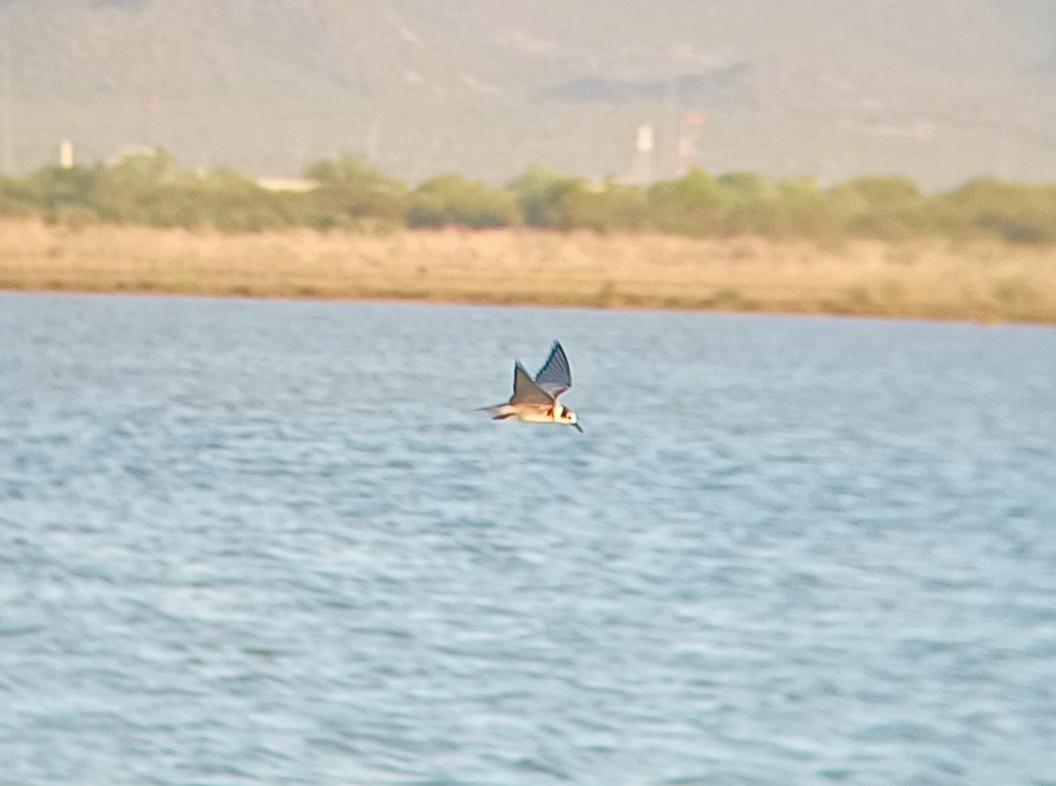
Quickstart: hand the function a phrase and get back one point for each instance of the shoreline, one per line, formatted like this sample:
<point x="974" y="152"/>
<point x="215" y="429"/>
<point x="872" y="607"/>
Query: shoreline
<point x="981" y="281"/>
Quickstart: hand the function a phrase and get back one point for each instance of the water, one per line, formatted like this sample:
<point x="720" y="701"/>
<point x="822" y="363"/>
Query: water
<point x="270" y="542"/>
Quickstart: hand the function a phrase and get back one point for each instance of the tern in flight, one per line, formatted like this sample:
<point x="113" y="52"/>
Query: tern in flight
<point x="535" y="400"/>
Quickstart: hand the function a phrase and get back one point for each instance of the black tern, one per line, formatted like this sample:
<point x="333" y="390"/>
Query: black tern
<point x="535" y="400"/>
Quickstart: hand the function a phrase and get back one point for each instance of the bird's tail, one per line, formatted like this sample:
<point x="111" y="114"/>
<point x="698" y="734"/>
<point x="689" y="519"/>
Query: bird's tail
<point x="497" y="411"/>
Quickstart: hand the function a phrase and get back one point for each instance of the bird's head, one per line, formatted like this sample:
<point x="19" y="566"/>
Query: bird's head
<point x="569" y="417"/>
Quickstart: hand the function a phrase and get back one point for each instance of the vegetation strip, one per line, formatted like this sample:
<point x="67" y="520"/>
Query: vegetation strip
<point x="347" y="192"/>
<point x="987" y="280"/>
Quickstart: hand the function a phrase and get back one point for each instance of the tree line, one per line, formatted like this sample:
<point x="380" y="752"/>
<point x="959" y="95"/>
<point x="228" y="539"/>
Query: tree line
<point x="349" y="192"/>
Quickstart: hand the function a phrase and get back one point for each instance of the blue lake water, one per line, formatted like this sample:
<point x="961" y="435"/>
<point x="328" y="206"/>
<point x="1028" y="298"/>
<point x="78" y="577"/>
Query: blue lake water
<point x="271" y="542"/>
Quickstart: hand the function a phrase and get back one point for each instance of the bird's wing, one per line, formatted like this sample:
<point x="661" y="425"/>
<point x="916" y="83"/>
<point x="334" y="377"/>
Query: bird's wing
<point x="525" y="391"/>
<point x="555" y="377"/>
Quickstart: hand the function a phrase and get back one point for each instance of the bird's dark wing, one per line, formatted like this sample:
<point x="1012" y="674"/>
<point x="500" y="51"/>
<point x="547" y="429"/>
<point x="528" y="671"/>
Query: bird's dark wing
<point x="525" y="391"/>
<point x="555" y="377"/>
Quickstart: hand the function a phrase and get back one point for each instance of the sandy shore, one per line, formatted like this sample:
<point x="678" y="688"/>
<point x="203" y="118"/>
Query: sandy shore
<point x="939" y="279"/>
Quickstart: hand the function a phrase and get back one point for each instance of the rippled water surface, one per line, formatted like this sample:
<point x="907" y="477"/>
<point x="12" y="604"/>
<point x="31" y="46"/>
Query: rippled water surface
<point x="271" y="542"/>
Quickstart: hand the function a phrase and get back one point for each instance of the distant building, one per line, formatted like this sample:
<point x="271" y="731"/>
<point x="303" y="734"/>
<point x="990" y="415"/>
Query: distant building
<point x="644" y="144"/>
<point x="133" y="151"/>
<point x="66" y="154"/>
<point x="294" y="184"/>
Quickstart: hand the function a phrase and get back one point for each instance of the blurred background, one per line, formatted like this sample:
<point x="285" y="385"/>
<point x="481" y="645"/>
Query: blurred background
<point x="939" y="92"/>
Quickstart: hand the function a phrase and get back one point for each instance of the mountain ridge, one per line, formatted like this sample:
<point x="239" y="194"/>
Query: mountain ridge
<point x="940" y="93"/>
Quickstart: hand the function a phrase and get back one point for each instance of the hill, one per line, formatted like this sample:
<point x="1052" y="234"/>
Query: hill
<point x="940" y="91"/>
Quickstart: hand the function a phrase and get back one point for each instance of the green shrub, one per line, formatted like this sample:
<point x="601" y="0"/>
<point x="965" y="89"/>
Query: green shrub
<point x="540" y="193"/>
<point x="609" y="208"/>
<point x="449" y="199"/>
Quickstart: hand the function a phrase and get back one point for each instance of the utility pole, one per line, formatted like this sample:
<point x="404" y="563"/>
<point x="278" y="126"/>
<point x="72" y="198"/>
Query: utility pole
<point x="5" y="104"/>
<point x="689" y="132"/>
<point x="670" y="133"/>
<point x="151" y="107"/>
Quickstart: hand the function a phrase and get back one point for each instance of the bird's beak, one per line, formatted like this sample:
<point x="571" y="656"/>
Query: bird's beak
<point x="579" y="428"/>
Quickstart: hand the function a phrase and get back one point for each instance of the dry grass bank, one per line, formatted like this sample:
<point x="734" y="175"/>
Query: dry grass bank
<point x="979" y="280"/>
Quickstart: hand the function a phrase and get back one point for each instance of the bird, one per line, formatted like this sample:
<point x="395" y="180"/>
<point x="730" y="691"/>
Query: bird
<point x="535" y="400"/>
